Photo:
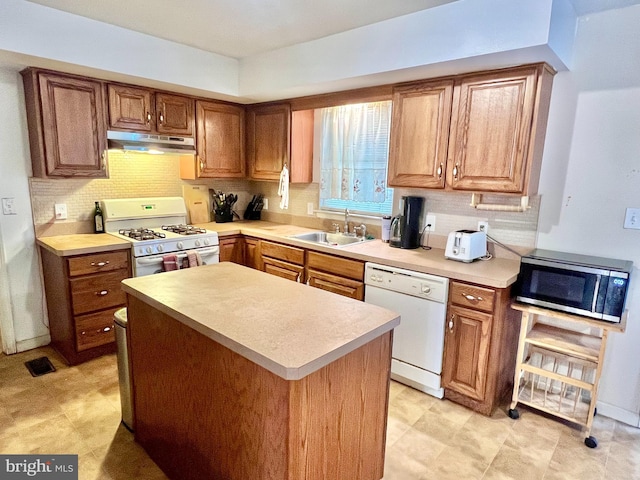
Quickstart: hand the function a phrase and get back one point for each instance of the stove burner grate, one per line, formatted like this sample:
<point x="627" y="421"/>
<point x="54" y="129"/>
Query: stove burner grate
<point x="184" y="229"/>
<point x="141" y="233"/>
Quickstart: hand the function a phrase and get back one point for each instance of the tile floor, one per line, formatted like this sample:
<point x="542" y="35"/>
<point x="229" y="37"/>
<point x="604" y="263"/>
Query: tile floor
<point x="77" y="410"/>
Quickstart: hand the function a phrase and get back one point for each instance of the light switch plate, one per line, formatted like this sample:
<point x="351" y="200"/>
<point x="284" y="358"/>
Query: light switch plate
<point x="632" y="218"/>
<point x="310" y="208"/>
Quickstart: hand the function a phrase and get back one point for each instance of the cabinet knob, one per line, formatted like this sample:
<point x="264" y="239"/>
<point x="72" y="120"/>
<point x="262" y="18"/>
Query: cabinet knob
<point x="99" y="264"/>
<point x="104" y="160"/>
<point x="471" y="298"/>
<point x="451" y="323"/>
<point x="455" y="171"/>
<point x="106" y="329"/>
<point x="148" y="117"/>
<point x="102" y="293"/>
<point x="440" y="171"/>
<point x="161" y="118"/>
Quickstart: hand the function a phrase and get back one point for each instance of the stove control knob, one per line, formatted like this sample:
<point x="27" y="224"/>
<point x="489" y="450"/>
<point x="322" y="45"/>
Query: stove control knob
<point x="426" y="289"/>
<point x="197" y="243"/>
<point x="206" y="241"/>
<point x="149" y="249"/>
<point x="180" y="245"/>
<point x="160" y="248"/>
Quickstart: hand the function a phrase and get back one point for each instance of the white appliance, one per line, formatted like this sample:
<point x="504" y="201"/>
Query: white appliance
<point x="418" y="342"/>
<point x="466" y="245"/>
<point x="156" y="227"/>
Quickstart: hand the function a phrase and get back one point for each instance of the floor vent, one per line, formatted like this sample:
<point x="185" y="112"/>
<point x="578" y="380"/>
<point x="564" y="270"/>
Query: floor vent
<point x="39" y="366"/>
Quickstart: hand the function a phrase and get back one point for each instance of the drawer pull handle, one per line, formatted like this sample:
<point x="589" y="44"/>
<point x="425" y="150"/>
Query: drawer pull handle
<point x="451" y="324"/>
<point x="471" y="298"/>
<point x="99" y="264"/>
<point x="102" y="293"/>
<point x="106" y="329"/>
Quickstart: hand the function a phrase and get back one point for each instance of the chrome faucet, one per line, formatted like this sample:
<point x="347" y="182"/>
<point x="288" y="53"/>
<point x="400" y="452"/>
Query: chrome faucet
<point x="346" y="221"/>
<point x="362" y="229"/>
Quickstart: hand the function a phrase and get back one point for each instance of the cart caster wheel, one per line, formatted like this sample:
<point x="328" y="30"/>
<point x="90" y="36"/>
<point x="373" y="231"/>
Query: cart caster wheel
<point x="591" y="442"/>
<point x="513" y="413"/>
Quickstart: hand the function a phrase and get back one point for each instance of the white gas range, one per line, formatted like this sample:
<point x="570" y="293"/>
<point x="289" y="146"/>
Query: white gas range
<point x="156" y="227"/>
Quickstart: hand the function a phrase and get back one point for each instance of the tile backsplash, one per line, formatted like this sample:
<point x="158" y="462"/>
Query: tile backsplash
<point x="140" y="175"/>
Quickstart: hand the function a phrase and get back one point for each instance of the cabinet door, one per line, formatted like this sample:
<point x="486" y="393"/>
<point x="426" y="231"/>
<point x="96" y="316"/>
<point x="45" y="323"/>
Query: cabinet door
<point x="131" y="108"/>
<point x="252" y="253"/>
<point x="220" y="140"/>
<point x="268" y="140"/>
<point x="174" y="114"/>
<point x="231" y="250"/>
<point x="466" y="352"/>
<point x="420" y="135"/>
<point x="283" y="269"/>
<point x="71" y="139"/>
<point x="335" y="284"/>
<point x="490" y="131"/>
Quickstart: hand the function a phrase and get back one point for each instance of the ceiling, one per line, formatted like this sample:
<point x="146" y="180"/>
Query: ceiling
<point x="240" y="28"/>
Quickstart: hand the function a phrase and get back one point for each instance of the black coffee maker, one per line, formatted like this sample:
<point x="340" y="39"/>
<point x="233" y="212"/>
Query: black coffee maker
<point x="405" y="228"/>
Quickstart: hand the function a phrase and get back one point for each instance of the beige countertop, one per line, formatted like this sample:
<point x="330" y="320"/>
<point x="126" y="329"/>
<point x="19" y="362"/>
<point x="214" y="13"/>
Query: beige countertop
<point x="82" y="243"/>
<point x="497" y="272"/>
<point x="288" y="328"/>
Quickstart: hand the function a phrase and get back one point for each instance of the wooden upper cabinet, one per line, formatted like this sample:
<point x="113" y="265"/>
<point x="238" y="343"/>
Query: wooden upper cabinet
<point x="66" y="115"/>
<point x="268" y="140"/>
<point x="420" y="134"/>
<point x="482" y="132"/>
<point x="221" y="140"/>
<point x="498" y="124"/>
<point x="144" y="110"/>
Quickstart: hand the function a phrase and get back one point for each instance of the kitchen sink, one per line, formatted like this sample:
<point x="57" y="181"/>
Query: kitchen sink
<point x="329" y="239"/>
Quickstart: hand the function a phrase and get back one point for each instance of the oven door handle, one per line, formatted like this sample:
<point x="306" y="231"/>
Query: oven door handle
<point x="157" y="259"/>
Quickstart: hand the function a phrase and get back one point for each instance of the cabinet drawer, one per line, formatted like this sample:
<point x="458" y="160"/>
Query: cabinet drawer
<point x="335" y="284"/>
<point x="98" y="262"/>
<point x="95" y="329"/>
<point x="283" y="269"/>
<point x="337" y="265"/>
<point x="282" y="252"/>
<point x="471" y="296"/>
<point x="96" y="292"/>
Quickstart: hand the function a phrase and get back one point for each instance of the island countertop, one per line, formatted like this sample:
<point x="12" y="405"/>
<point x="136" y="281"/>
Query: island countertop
<point x="287" y="328"/>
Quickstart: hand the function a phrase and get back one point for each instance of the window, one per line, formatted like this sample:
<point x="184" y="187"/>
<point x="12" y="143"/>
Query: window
<point x="354" y="152"/>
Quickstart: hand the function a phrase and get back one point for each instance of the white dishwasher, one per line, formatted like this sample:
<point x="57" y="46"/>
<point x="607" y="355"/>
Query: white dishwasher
<point x="418" y="342"/>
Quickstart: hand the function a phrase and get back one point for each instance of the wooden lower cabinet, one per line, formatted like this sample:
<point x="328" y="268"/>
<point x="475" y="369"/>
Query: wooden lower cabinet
<point x="83" y="292"/>
<point x="336" y="274"/>
<point x="232" y="249"/>
<point x="282" y="260"/>
<point x="252" y="253"/>
<point x="480" y="346"/>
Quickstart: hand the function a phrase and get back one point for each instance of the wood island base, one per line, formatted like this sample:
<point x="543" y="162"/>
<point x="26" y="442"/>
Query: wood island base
<point x="204" y="411"/>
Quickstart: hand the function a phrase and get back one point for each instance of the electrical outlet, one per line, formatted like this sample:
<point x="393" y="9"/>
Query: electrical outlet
<point x="61" y="211"/>
<point x="310" y="208"/>
<point x="9" y="206"/>
<point x="483" y="226"/>
<point x="632" y="218"/>
<point x="430" y="219"/>
<point x="265" y="204"/>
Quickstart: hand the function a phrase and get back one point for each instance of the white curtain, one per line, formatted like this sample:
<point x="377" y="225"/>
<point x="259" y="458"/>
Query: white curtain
<point x="354" y="151"/>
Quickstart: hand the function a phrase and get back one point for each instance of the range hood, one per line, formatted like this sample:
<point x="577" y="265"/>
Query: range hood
<point x="150" y="143"/>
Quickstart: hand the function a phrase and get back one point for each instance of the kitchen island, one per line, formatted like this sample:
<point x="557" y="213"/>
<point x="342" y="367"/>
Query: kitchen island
<point x="241" y="375"/>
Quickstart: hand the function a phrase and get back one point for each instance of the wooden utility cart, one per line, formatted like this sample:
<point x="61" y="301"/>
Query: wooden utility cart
<point x="558" y="369"/>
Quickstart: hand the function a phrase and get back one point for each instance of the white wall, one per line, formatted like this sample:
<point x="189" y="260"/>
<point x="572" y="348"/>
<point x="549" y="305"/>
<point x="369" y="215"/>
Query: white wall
<point x="19" y="253"/>
<point x="591" y="173"/>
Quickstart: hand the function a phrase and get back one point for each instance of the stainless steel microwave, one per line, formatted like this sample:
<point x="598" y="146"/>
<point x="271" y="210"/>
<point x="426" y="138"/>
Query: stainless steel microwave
<point x="594" y="287"/>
